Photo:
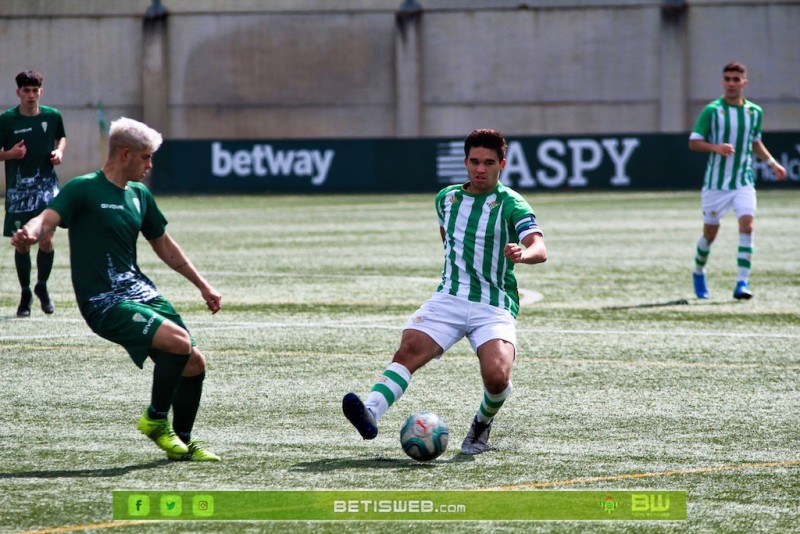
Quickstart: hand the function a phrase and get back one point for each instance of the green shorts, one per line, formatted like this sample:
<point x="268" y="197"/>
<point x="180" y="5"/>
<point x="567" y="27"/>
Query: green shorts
<point x="15" y="221"/>
<point x="133" y="325"/>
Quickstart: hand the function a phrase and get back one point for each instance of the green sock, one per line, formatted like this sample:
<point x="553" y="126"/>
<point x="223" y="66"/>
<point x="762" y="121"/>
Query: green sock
<point x="44" y="265"/>
<point x="23" y="265"/>
<point x="185" y="404"/>
<point x="492" y="403"/>
<point x="166" y="377"/>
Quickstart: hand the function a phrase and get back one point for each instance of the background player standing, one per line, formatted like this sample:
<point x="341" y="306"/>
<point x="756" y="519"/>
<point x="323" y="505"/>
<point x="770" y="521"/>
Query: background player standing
<point x="730" y="129"/>
<point x="32" y="143"/>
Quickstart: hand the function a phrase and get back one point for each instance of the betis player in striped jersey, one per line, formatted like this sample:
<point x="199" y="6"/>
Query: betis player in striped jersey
<point x="486" y="229"/>
<point x="729" y="128"/>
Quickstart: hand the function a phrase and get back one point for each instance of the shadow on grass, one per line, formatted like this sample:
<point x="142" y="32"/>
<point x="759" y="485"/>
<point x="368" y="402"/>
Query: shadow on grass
<point x="85" y="473"/>
<point x="679" y="302"/>
<point x="336" y="464"/>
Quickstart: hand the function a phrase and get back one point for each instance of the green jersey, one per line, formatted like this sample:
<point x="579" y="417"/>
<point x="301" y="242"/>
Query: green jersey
<point x="31" y="182"/>
<point x="477" y="229"/>
<point x="104" y="222"/>
<point x="739" y="126"/>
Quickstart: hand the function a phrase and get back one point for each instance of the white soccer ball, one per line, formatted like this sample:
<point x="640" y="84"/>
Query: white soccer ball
<point x="424" y="436"/>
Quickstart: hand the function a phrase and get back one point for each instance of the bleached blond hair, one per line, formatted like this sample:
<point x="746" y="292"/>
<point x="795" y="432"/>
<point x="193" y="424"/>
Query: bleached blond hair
<point x="132" y="134"/>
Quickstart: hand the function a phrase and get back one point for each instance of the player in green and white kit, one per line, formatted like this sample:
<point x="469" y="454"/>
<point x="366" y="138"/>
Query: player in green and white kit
<point x="729" y="128"/>
<point x="104" y="212"/>
<point x="482" y="224"/>
<point x="32" y="143"/>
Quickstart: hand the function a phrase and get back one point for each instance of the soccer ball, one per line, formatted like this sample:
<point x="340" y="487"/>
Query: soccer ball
<point x="424" y="436"/>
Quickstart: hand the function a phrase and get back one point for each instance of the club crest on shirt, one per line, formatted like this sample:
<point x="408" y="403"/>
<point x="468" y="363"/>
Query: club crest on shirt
<point x="44" y="126"/>
<point x="492" y="205"/>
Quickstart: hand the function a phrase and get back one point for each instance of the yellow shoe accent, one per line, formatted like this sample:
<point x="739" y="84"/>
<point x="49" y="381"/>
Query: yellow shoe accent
<point x="161" y="432"/>
<point x="195" y="454"/>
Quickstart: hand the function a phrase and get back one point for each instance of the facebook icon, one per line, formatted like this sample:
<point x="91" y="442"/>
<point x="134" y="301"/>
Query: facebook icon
<point x="138" y="505"/>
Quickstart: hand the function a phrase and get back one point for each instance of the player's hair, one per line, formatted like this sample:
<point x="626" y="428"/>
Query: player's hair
<point x="486" y="138"/>
<point x="28" y="78"/>
<point x="735" y="66"/>
<point x="132" y="134"/>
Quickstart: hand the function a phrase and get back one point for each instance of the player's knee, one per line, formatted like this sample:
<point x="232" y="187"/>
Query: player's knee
<point x="181" y="343"/>
<point x="496" y="383"/>
<point x="196" y="364"/>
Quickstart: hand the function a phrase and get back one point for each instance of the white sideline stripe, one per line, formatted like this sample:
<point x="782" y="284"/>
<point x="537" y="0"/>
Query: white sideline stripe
<point x="245" y="326"/>
<point x="210" y="326"/>
<point x="238" y="325"/>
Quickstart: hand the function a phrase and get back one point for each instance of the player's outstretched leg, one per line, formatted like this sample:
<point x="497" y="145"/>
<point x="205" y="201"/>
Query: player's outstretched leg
<point x="360" y="416"/>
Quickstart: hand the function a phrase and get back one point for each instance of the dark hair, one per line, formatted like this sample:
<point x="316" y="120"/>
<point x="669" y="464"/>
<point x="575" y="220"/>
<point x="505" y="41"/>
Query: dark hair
<point x="486" y="138"/>
<point x="735" y="66"/>
<point x="28" y="78"/>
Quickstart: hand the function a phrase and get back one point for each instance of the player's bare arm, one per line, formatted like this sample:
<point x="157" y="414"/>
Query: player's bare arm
<point x="168" y="250"/>
<point x="57" y="155"/>
<point x="38" y="227"/>
<point x="723" y="149"/>
<point x="534" y="250"/>
<point x="17" y="151"/>
<point x="761" y="152"/>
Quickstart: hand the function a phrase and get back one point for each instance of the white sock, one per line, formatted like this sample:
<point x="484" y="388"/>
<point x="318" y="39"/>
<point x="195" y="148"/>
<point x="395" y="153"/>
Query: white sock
<point x="492" y="403"/>
<point x="388" y="389"/>
<point x="744" y="256"/>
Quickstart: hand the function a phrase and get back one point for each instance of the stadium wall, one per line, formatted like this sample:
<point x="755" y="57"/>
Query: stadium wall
<point x="393" y="69"/>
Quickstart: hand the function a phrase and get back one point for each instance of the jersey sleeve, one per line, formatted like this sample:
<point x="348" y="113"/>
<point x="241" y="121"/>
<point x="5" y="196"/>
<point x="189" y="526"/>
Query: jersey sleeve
<point x="60" y="131"/>
<point x="440" y="199"/>
<point x="524" y="219"/>
<point x="154" y="224"/>
<point x="757" y="128"/>
<point x="68" y="201"/>
<point x="702" y="127"/>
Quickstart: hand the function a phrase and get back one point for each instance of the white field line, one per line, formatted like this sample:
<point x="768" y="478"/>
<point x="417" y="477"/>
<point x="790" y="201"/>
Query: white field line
<point x="218" y="326"/>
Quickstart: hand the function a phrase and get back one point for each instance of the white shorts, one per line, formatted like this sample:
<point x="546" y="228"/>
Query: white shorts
<point x="717" y="203"/>
<point x="447" y="319"/>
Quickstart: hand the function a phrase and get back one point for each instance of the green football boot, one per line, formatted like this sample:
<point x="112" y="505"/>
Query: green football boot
<point x="161" y="432"/>
<point x="195" y="454"/>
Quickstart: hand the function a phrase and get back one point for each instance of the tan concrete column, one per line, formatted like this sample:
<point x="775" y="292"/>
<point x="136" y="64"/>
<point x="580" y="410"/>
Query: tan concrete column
<point x="408" y="79"/>
<point x="155" y="69"/>
<point x="672" y="68"/>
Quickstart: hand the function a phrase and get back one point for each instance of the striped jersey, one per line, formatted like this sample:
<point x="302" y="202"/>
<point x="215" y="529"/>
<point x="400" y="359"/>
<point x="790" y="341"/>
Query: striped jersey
<point x="477" y="229"/>
<point x="739" y="126"/>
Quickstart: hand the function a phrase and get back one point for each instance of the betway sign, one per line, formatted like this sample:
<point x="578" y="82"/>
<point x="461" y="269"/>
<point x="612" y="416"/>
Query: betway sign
<point x="625" y="161"/>
<point x="264" y="160"/>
